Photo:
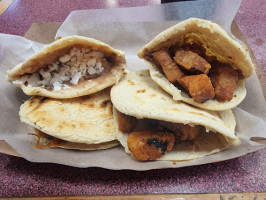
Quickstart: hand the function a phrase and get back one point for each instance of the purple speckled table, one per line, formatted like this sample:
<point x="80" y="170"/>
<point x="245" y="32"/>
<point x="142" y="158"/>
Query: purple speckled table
<point x="19" y="177"/>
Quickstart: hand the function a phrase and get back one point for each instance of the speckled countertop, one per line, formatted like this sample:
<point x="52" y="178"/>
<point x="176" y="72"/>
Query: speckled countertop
<point x="19" y="177"/>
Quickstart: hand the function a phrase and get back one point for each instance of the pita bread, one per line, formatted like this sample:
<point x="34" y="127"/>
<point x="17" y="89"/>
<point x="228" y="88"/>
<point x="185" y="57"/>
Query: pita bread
<point x="139" y="96"/>
<point x="86" y="119"/>
<point x="59" y="54"/>
<point x="216" y="43"/>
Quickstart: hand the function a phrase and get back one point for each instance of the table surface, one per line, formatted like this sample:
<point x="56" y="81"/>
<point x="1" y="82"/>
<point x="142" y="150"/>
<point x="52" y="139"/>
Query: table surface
<point x="19" y="177"/>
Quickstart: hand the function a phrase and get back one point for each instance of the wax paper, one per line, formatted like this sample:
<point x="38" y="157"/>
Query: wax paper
<point x="127" y="29"/>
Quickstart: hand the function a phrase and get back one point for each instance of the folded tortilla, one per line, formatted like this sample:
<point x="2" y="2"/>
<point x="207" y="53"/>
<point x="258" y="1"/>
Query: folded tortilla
<point x="44" y="141"/>
<point x="139" y="96"/>
<point x="79" y="123"/>
<point x="70" y="67"/>
<point x="216" y="42"/>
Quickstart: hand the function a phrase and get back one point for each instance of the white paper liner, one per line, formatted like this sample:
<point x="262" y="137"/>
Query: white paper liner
<point x="127" y="29"/>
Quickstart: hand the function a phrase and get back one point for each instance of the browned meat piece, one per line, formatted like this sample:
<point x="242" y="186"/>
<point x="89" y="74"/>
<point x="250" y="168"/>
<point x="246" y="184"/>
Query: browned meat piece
<point x="106" y="65"/>
<point x="182" y="131"/>
<point x="189" y="132"/>
<point x="224" y="79"/>
<point x="169" y="67"/>
<point x="200" y="50"/>
<point x="199" y="87"/>
<point x="192" y="62"/>
<point x="196" y="48"/>
<point x="147" y="145"/>
<point x="126" y="123"/>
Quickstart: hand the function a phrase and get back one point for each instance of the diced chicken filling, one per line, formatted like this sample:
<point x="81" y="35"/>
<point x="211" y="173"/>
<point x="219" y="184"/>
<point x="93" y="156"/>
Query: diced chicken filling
<point x="78" y="64"/>
<point x="150" y="145"/>
<point x="194" y="74"/>
<point x="224" y="80"/>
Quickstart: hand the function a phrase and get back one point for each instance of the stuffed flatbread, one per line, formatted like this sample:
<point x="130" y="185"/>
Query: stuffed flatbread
<point x="69" y="67"/>
<point x="152" y="126"/>
<point x="197" y="62"/>
<point x="83" y="122"/>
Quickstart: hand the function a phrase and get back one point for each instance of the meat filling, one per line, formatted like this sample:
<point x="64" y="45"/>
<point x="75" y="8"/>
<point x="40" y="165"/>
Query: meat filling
<point x="192" y="62"/>
<point x="183" y="132"/>
<point x="149" y="145"/>
<point x="79" y="64"/>
<point x="199" y="87"/>
<point x="153" y="142"/>
<point x="224" y="80"/>
<point x="169" y="67"/>
<point x="126" y="123"/>
<point x="190" y="69"/>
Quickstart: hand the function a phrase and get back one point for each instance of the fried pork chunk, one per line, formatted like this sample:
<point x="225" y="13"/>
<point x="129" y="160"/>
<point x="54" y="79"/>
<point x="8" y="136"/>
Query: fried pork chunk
<point x="192" y="62"/>
<point x="148" y="145"/>
<point x="182" y="131"/>
<point x="224" y="79"/>
<point x="199" y="87"/>
<point x="169" y="67"/>
<point x="126" y="123"/>
<point x="201" y="75"/>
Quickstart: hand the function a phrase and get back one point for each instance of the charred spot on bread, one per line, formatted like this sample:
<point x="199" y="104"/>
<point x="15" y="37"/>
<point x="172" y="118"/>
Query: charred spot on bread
<point x="141" y="91"/>
<point x="43" y="99"/>
<point x="105" y="103"/>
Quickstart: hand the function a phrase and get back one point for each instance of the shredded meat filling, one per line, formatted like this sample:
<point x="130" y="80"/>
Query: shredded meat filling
<point x="148" y="145"/>
<point x="169" y="67"/>
<point x="224" y="80"/>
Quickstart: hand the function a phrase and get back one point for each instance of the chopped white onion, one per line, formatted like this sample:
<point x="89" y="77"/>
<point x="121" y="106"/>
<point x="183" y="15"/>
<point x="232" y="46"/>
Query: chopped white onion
<point x="91" y="70"/>
<point x="65" y="58"/>
<point x="75" y="79"/>
<point x="70" y="67"/>
<point x="57" y="85"/>
<point x="19" y="82"/>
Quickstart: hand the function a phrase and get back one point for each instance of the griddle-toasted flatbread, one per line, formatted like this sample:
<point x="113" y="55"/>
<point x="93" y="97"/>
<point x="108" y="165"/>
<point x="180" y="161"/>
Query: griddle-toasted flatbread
<point x="86" y="120"/>
<point x="44" y="141"/>
<point x="70" y="67"/>
<point x="211" y="42"/>
<point x="137" y="95"/>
